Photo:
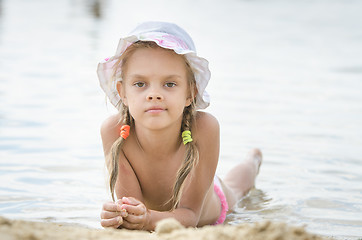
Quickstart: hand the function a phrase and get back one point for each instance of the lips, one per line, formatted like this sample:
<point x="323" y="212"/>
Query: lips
<point x="155" y="110"/>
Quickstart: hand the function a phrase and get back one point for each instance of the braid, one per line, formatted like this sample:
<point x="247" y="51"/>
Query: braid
<point x="113" y="157"/>
<point x="191" y="157"/>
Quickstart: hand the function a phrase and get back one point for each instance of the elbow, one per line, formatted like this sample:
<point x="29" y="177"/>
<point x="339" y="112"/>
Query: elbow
<point x="189" y="218"/>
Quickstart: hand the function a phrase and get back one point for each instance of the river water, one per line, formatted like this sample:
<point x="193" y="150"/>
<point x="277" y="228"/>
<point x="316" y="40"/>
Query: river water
<point x="286" y="77"/>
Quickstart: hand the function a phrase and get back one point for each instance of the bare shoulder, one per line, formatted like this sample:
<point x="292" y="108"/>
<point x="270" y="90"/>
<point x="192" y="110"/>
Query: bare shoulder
<point x="206" y="122"/>
<point x="207" y="126"/>
<point x="110" y="124"/>
<point x="109" y="132"/>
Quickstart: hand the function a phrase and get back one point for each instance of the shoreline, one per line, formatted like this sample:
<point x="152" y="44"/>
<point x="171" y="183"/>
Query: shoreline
<point x="166" y="229"/>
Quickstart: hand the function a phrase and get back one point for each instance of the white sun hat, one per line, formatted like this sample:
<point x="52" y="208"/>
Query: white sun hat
<point x="165" y="35"/>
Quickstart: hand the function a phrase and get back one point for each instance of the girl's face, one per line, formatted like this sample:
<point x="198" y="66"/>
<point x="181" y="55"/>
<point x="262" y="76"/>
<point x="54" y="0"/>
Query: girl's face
<point x="155" y="87"/>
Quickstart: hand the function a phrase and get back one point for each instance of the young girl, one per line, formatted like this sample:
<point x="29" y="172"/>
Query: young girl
<point x="162" y="153"/>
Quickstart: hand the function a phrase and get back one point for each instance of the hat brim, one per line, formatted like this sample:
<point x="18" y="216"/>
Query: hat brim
<point x="199" y="66"/>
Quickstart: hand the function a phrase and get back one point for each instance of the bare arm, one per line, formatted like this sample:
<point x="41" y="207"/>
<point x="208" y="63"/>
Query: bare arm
<point x="111" y="215"/>
<point x="207" y="138"/>
<point x="126" y="176"/>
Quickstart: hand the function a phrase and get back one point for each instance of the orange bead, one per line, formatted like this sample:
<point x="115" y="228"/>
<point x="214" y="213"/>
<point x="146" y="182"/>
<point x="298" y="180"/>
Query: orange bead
<point x="125" y="131"/>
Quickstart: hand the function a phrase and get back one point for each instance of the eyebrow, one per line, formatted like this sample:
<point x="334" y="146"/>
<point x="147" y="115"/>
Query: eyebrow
<point x="140" y="76"/>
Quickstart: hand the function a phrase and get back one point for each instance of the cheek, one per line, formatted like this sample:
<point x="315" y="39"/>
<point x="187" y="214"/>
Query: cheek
<point x="181" y="101"/>
<point x="126" y="95"/>
<point x="134" y="105"/>
<point x="133" y="113"/>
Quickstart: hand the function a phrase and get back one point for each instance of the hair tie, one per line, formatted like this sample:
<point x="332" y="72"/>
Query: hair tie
<point x="186" y="136"/>
<point x="125" y="131"/>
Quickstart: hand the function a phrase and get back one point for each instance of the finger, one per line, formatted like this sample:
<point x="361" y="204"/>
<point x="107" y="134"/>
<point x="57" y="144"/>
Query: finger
<point x="130" y="201"/>
<point x="113" y="222"/>
<point x="132" y="226"/>
<point x="115" y="207"/>
<point x="135" y="210"/>
<point x="110" y="207"/>
<point x="108" y="215"/>
<point x="117" y="226"/>
<point x="135" y="219"/>
<point x="119" y="201"/>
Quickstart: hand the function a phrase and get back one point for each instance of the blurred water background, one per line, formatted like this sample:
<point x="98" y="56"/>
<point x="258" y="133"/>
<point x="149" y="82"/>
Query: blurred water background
<point x="286" y="77"/>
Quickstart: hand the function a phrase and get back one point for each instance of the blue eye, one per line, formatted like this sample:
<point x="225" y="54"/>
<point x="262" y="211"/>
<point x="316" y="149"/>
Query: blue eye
<point x="139" y="84"/>
<point x="170" y="84"/>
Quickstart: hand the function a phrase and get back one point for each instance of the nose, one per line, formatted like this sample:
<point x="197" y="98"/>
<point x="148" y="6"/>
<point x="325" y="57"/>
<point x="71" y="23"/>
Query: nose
<point x="154" y="95"/>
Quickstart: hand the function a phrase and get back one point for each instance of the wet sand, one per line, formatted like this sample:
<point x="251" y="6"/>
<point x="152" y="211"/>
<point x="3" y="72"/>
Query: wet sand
<point x="166" y="229"/>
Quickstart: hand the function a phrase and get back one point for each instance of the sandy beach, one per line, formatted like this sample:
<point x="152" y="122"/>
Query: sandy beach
<point x="286" y="78"/>
<point x="166" y="229"/>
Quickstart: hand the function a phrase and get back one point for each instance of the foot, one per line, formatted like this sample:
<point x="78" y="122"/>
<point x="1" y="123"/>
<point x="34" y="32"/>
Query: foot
<point x="256" y="157"/>
<point x="241" y="178"/>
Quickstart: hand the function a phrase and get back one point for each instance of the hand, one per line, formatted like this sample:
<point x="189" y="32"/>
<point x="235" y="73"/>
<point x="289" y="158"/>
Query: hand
<point x="138" y="215"/>
<point x="112" y="214"/>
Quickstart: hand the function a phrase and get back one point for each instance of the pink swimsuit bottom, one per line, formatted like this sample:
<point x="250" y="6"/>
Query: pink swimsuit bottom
<point x="224" y="204"/>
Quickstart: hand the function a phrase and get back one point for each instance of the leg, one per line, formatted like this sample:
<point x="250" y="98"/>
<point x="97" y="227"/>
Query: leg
<point x="241" y="178"/>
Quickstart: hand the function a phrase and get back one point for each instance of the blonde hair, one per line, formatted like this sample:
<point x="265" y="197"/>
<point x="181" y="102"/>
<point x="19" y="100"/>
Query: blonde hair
<point x="191" y="157"/>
